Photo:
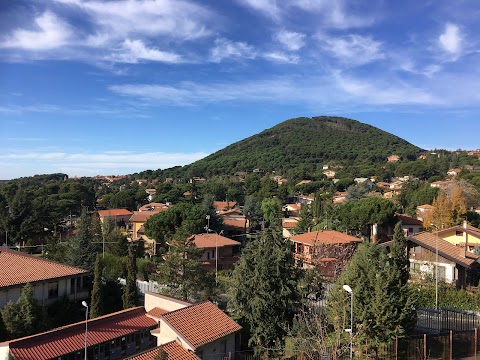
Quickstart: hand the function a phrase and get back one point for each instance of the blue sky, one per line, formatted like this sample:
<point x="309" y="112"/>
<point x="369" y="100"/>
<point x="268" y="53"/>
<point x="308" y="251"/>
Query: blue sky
<point x="112" y="87"/>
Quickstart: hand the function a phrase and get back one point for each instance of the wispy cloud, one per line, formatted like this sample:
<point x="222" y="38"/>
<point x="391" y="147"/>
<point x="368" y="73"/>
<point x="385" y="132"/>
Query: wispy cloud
<point x="49" y="32"/>
<point x="87" y="164"/>
<point x="291" y="40"/>
<point x="133" y="51"/>
<point x="226" y="49"/>
<point x="451" y="39"/>
<point x="352" y="49"/>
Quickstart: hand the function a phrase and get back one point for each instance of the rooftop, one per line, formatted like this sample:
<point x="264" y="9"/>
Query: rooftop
<point x="449" y="251"/>
<point x="325" y="237"/>
<point x="213" y="240"/>
<point x="114" y="212"/>
<point x="20" y="268"/>
<point x="70" y="338"/>
<point x="201" y="324"/>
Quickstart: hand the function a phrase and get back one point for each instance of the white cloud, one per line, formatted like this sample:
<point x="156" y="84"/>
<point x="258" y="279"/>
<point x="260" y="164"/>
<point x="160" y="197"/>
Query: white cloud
<point x="268" y="7"/>
<point x="281" y="57"/>
<point x="292" y="41"/>
<point x="50" y="33"/>
<point x="384" y="91"/>
<point x="226" y="49"/>
<point x="181" y="19"/>
<point x="451" y="39"/>
<point x="89" y="164"/>
<point x="133" y="51"/>
<point x="352" y="49"/>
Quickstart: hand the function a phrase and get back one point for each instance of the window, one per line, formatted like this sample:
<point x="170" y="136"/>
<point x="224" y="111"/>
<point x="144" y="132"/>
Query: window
<point x="53" y="290"/>
<point x="458" y="233"/>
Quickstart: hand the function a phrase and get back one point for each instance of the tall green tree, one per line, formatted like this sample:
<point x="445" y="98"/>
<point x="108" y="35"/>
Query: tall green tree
<point x="96" y="304"/>
<point x="182" y="271"/>
<point x="264" y="288"/>
<point x="398" y="253"/>
<point x="82" y="252"/>
<point x="130" y="290"/>
<point x="116" y="243"/>
<point x="272" y="213"/>
<point x="383" y="304"/>
<point x="24" y="318"/>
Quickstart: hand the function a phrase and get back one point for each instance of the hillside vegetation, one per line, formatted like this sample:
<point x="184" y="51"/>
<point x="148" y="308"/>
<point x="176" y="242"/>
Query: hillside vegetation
<point x="307" y="141"/>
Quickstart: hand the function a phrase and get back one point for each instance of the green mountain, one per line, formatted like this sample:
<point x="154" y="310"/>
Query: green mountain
<point x="306" y="142"/>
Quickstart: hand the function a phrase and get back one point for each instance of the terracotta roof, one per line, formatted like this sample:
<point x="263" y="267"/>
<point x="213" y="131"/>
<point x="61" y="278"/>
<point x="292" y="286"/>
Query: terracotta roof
<point x="289" y="224"/>
<point x="472" y="230"/>
<point x="70" y="338"/>
<point x="223" y="205"/>
<point x="235" y="223"/>
<point x="213" y="240"/>
<point x="114" y="212"/>
<point x="445" y="249"/>
<point x="156" y="312"/>
<point x="324" y="237"/>
<point x="150" y="206"/>
<point x="174" y="350"/>
<point x="293" y="207"/>
<point x="19" y="268"/>
<point x="142" y="216"/>
<point x="201" y="324"/>
<point x="408" y="220"/>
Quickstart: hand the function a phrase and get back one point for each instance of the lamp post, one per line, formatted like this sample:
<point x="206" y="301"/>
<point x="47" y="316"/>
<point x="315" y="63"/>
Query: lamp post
<point x="84" y="303"/>
<point x="207" y="228"/>
<point x="348" y="289"/>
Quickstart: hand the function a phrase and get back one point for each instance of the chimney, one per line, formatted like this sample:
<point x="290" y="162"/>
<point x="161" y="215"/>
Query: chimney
<point x="465" y="236"/>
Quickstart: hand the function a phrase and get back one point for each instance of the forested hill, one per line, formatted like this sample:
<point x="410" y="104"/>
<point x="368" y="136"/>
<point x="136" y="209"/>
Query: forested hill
<point x="307" y="141"/>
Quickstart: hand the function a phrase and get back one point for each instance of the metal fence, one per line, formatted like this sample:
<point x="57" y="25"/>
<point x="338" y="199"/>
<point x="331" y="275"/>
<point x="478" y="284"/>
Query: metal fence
<point x="461" y="345"/>
<point x="434" y="321"/>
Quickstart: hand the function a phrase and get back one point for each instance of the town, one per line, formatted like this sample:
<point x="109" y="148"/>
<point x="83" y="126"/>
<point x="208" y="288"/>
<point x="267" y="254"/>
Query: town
<point x="258" y="264"/>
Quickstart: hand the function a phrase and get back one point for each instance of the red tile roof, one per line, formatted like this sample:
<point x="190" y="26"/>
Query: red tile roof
<point x="449" y="251"/>
<point x="224" y="205"/>
<point x="234" y="223"/>
<point x="408" y="220"/>
<point x="114" y="212"/>
<point x="174" y="350"/>
<point x="324" y="237"/>
<point x="150" y="206"/>
<point x="157" y="312"/>
<point x="70" y="338"/>
<point x="213" y="240"/>
<point x="201" y="324"/>
<point x="143" y="216"/>
<point x="19" y="268"/>
<point x="291" y="224"/>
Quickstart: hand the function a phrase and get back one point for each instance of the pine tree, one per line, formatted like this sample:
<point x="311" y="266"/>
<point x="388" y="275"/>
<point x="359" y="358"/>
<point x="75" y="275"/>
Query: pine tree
<point x="12" y="321"/>
<point x="130" y="290"/>
<point x="96" y="306"/>
<point x="117" y="243"/>
<point x="181" y="270"/>
<point x="383" y="304"/>
<point x="81" y="252"/>
<point x="398" y="253"/>
<point x="264" y="288"/>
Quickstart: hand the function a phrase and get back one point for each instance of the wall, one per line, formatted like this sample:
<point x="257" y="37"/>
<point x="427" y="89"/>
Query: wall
<point x="167" y="334"/>
<point x="4" y="352"/>
<point x="216" y="349"/>
<point x="167" y="303"/>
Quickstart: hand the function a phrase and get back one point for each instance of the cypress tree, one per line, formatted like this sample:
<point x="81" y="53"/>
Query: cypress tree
<point x="81" y="252"/>
<point x="264" y="288"/>
<point x="96" y="306"/>
<point x="130" y="289"/>
<point x="398" y="253"/>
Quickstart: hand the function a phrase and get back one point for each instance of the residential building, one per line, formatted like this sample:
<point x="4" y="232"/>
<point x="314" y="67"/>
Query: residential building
<point x="409" y="224"/>
<point x="454" y="172"/>
<point x="303" y="182"/>
<point x="328" y="250"/>
<point x="199" y="328"/>
<point x="288" y="225"/>
<point x="464" y="236"/>
<point x="136" y="226"/>
<point x="291" y="210"/>
<point x="221" y="206"/>
<point x="422" y="211"/>
<point x="119" y="216"/>
<point x="50" y="280"/>
<point x="219" y="252"/>
<point x="113" y="336"/>
<point x="173" y="349"/>
<point x="393" y="158"/>
<point x="455" y="265"/>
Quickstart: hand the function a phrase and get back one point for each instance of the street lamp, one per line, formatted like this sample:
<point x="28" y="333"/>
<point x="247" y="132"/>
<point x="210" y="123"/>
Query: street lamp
<point x="84" y="303"/>
<point x="348" y="289"/>
<point x="208" y="230"/>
